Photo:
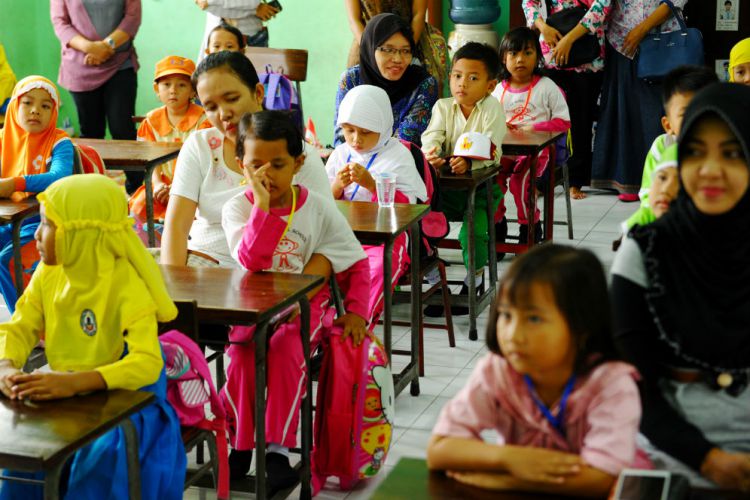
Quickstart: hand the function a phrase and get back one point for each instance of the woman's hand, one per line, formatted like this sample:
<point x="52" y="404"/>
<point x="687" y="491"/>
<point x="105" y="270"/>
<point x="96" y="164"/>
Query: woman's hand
<point x="729" y="470"/>
<point x="633" y="39"/>
<point x="551" y="35"/>
<point x="541" y="465"/>
<point x="7" y="187"/>
<point x="99" y="51"/>
<point x="360" y="175"/>
<point x="264" y="12"/>
<point x="354" y="325"/>
<point x="259" y="186"/>
<point x="561" y="52"/>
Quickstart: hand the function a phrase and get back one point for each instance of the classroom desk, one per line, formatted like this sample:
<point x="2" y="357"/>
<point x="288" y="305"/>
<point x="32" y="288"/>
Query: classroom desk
<point x="470" y="181"/>
<point x="373" y="225"/>
<point x="411" y="480"/>
<point x="42" y="436"/>
<point x="239" y="297"/>
<point x="531" y="144"/>
<point x="136" y="156"/>
<point x="14" y="213"/>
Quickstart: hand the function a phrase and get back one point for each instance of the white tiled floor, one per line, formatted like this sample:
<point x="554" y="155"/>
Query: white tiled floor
<point x="596" y="224"/>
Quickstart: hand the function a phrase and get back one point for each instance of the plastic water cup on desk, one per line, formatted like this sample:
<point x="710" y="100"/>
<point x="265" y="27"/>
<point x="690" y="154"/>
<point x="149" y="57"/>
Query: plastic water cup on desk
<point x="386" y="186"/>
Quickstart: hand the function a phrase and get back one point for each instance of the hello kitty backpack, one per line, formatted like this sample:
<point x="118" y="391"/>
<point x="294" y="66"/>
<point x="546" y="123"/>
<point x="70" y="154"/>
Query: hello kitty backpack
<point x="354" y="412"/>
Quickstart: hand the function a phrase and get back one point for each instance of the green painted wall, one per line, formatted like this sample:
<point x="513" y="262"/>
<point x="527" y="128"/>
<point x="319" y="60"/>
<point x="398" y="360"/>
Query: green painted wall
<point x="176" y="27"/>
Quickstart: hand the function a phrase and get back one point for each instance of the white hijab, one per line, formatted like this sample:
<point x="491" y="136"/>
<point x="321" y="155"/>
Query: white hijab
<point x="368" y="107"/>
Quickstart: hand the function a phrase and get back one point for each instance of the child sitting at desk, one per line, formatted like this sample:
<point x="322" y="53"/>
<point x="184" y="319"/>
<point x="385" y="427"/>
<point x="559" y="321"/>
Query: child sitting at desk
<point x="173" y="122"/>
<point x="368" y="151"/>
<point x="33" y="155"/>
<point x="277" y="226"/>
<point x="96" y="298"/>
<point x="471" y="109"/>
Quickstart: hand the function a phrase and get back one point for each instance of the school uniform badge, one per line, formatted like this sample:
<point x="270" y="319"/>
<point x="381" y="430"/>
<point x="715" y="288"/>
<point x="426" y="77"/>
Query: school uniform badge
<point x="88" y="322"/>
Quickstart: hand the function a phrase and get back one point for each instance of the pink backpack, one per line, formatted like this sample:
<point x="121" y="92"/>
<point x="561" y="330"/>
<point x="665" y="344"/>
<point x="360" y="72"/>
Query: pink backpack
<point x="354" y="412"/>
<point x="189" y="388"/>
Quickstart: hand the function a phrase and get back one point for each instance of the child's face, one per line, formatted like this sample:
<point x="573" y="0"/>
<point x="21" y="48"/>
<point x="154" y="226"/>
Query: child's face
<point x="521" y="63"/>
<point x="359" y="139"/>
<point x="175" y="91"/>
<point x="277" y="178"/>
<point x="741" y="73"/>
<point x="676" y="106"/>
<point x="392" y="66"/>
<point x="534" y="336"/>
<point x="664" y="189"/>
<point x="470" y="81"/>
<point x="226" y="98"/>
<point x="714" y="169"/>
<point x="35" y="110"/>
<point x="45" y="239"/>
<point x="222" y="40"/>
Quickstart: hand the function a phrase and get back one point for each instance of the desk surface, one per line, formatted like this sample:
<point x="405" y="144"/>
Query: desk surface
<point x="471" y="179"/>
<point x="370" y="222"/>
<point x="131" y="153"/>
<point x="236" y="296"/>
<point x="522" y="143"/>
<point x="36" y="436"/>
<point x="12" y="210"/>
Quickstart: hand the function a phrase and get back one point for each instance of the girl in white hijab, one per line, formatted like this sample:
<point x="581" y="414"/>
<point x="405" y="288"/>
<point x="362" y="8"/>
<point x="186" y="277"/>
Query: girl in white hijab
<point x="366" y="119"/>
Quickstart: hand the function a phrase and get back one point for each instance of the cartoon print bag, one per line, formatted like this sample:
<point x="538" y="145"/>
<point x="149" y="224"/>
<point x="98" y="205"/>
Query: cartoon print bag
<point x="354" y="415"/>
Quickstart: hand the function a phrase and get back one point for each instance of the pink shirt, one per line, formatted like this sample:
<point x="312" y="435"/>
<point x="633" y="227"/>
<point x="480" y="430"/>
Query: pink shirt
<point x="601" y="417"/>
<point x="69" y="18"/>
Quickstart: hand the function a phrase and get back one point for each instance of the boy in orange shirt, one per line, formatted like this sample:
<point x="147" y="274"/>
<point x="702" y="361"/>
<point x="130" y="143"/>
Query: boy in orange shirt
<point x="172" y="122"/>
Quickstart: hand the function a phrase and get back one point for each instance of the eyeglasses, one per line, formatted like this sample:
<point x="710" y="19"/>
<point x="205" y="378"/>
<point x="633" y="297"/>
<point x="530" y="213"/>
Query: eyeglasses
<point x="391" y="52"/>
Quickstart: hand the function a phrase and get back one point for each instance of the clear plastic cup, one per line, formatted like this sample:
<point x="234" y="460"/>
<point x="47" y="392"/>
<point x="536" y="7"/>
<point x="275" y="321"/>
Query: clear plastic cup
<point x="386" y="186"/>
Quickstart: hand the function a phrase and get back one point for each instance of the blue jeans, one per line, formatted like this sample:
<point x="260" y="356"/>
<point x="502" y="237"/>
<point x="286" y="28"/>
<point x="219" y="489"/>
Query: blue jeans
<point x="259" y="39"/>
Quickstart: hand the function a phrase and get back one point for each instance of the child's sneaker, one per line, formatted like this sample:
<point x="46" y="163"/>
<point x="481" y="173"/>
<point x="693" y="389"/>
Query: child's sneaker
<point x="280" y="473"/>
<point x="501" y="232"/>
<point x="239" y="463"/>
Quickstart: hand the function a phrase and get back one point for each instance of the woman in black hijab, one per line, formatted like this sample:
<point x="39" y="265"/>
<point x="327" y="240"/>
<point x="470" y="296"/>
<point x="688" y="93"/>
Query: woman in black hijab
<point x="681" y="293"/>
<point x="385" y="56"/>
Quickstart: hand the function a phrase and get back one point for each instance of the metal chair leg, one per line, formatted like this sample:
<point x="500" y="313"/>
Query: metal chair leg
<point x="446" y="304"/>
<point x="566" y="186"/>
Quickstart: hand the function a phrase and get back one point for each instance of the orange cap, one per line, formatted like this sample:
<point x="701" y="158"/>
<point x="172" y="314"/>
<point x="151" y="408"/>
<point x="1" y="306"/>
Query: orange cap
<point x="174" y="65"/>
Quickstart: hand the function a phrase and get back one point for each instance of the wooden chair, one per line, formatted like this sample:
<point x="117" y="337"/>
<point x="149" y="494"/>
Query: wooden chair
<point x="291" y="62"/>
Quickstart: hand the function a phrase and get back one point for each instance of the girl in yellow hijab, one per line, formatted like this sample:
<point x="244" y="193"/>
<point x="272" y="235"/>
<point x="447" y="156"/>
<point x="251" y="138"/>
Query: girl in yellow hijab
<point x="97" y="296"/>
<point x="33" y="155"/>
<point x="739" y="62"/>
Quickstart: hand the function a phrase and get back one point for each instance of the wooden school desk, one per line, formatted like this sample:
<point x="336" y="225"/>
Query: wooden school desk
<point x="14" y="213"/>
<point x="239" y="297"/>
<point x="373" y="225"/>
<point x="136" y="156"/>
<point x="469" y="182"/>
<point x="531" y="144"/>
<point x="42" y="436"/>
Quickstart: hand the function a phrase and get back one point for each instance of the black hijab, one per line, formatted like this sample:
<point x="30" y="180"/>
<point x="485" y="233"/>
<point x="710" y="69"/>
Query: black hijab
<point x="698" y="265"/>
<point x="379" y="29"/>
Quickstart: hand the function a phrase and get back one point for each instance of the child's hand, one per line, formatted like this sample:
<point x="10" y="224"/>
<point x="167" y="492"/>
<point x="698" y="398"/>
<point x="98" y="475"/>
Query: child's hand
<point x="519" y="128"/>
<point x="541" y="465"/>
<point x="481" y="479"/>
<point x="7" y="370"/>
<point x="161" y="193"/>
<point x="360" y="175"/>
<point x="354" y="325"/>
<point x="7" y="187"/>
<point x="433" y="159"/>
<point x="459" y="165"/>
<point x="259" y="186"/>
<point x="43" y="386"/>
<point x="264" y="12"/>
<point x="340" y="182"/>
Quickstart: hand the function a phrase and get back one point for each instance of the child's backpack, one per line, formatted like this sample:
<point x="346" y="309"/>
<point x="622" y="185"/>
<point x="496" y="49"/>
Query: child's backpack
<point x="87" y="161"/>
<point x="434" y="225"/>
<point x="189" y="388"/>
<point x="354" y="412"/>
<point x="280" y="94"/>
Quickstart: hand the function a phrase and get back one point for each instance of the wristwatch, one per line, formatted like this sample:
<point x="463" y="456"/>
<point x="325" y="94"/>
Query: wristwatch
<point x="110" y="41"/>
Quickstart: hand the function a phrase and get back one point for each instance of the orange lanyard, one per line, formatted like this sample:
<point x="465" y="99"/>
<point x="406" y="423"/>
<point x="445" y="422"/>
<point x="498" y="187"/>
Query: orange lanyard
<point x="525" y="104"/>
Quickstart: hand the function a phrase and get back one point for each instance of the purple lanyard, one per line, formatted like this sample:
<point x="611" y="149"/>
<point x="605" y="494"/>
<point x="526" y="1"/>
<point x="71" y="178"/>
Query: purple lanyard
<point x="369" y="164"/>
<point x="556" y="421"/>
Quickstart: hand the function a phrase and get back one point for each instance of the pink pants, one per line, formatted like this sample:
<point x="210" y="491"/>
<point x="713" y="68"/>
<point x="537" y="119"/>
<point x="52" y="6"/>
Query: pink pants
<point x="286" y="378"/>
<point x="400" y="263"/>
<point x="518" y="168"/>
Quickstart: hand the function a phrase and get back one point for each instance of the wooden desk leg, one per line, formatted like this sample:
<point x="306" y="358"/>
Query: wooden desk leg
<point x="150" y="205"/>
<point x="261" y="341"/>
<point x="387" y="297"/>
<point x="305" y="472"/>
<point x="131" y="452"/>
<point x="472" y="271"/>
<point x="17" y="262"/>
<point x="416" y="304"/>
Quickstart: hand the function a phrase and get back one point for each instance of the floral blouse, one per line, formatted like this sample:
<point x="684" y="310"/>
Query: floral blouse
<point x="595" y="21"/>
<point x="411" y="114"/>
<point x="627" y="14"/>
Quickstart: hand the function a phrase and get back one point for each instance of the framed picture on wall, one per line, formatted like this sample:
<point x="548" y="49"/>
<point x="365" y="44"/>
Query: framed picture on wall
<point x="721" y="68"/>
<point x="727" y="15"/>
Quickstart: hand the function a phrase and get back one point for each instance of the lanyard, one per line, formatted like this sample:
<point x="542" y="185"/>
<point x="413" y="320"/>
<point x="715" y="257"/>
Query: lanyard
<point x="556" y="421"/>
<point x="369" y="164"/>
<point x="525" y="104"/>
<point x="291" y="214"/>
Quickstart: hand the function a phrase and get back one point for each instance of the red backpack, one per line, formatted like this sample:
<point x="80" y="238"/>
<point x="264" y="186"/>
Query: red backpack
<point x="87" y="161"/>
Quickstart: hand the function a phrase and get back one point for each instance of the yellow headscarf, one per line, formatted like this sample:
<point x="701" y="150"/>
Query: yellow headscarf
<point x="740" y="54"/>
<point x="107" y="269"/>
